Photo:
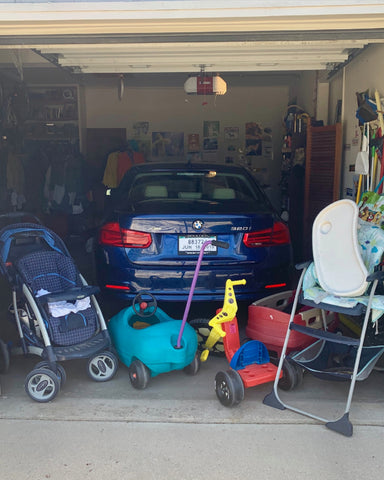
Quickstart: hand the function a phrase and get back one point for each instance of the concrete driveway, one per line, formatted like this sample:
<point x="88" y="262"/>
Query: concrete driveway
<point x="177" y="428"/>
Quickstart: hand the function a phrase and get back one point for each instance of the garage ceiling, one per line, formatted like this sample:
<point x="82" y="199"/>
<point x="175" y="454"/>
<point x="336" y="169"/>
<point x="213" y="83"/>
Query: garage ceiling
<point x="185" y="36"/>
<point x="187" y="56"/>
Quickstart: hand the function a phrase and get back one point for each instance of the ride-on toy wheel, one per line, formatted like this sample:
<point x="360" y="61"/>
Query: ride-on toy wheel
<point x="201" y="325"/>
<point x="102" y="367"/>
<point x="139" y="374"/>
<point x="229" y="388"/>
<point x="290" y="376"/>
<point x="194" y="366"/>
<point x="42" y="385"/>
<point x="60" y="371"/>
<point x="4" y="357"/>
<point x="144" y="304"/>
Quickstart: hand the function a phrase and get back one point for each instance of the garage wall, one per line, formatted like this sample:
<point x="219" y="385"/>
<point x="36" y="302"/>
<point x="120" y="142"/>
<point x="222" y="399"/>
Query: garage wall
<point x="169" y="109"/>
<point x="366" y="71"/>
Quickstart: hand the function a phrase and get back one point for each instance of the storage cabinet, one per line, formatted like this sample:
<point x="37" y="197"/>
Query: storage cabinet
<point x="322" y="175"/>
<point x="53" y="114"/>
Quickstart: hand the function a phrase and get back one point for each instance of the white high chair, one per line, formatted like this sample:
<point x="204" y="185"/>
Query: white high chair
<point x="341" y="285"/>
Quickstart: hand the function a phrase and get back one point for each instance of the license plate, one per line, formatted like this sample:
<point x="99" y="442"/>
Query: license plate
<point x="191" y="245"/>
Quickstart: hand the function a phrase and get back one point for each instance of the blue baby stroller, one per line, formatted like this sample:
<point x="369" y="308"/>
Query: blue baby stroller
<point x="55" y="311"/>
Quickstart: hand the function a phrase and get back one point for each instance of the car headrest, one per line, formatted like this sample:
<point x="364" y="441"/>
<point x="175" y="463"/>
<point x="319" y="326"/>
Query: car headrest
<point x="223" y="194"/>
<point x="156" y="191"/>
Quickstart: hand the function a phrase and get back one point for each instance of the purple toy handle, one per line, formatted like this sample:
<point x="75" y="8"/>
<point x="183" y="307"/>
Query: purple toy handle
<point x="193" y="285"/>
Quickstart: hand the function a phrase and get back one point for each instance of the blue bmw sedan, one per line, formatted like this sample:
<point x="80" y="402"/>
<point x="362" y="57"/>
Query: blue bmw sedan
<point x="158" y="218"/>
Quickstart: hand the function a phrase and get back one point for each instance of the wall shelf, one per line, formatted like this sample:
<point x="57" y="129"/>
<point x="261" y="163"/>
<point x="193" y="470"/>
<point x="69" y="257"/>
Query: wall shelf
<point x="53" y="114"/>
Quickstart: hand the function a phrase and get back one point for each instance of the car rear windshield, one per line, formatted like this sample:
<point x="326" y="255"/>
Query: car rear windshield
<point x="185" y="191"/>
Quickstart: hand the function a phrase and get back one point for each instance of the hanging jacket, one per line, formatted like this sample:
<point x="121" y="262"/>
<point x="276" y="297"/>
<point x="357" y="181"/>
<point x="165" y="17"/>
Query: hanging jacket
<point x="110" y="172"/>
<point x="126" y="161"/>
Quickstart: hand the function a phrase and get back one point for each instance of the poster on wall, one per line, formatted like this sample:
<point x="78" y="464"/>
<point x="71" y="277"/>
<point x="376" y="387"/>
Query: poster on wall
<point x="231" y="133"/>
<point x="140" y="129"/>
<point x="253" y="146"/>
<point x="258" y="151"/>
<point x="253" y="130"/>
<point x="193" y="144"/>
<point x="167" y="144"/>
<point x="231" y="144"/>
<point x="253" y="139"/>
<point x="210" y="143"/>
<point x="211" y="128"/>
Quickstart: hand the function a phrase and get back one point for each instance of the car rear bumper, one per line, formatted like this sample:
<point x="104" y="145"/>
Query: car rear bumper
<point x="175" y="286"/>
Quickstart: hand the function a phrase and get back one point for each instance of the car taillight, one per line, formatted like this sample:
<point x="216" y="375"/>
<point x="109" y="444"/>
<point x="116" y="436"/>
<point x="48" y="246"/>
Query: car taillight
<point x="111" y="234"/>
<point x="277" y="235"/>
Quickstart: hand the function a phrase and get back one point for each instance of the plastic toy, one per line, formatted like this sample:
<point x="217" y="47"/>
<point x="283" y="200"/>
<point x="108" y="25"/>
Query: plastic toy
<point x="149" y="342"/>
<point x="250" y="363"/>
<point x="268" y="321"/>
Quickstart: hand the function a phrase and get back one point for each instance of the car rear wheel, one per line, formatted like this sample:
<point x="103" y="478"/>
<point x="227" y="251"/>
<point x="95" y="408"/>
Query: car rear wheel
<point x="201" y="325"/>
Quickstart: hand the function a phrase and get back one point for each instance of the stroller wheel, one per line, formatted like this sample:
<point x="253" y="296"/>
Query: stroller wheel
<point x="4" y="357"/>
<point x="139" y="374"/>
<point x="229" y="388"/>
<point x="60" y="371"/>
<point x="42" y="385"/>
<point x="194" y="366"/>
<point x="102" y="367"/>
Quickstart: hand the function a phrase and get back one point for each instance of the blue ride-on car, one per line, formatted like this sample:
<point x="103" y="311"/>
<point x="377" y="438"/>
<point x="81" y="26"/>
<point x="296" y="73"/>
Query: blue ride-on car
<point x="161" y="213"/>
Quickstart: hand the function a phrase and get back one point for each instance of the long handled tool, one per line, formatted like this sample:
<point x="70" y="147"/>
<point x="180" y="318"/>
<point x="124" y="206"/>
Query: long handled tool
<point x="362" y="161"/>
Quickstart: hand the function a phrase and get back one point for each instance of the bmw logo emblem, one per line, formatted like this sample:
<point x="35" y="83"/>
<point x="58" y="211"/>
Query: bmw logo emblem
<point x="197" y="224"/>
